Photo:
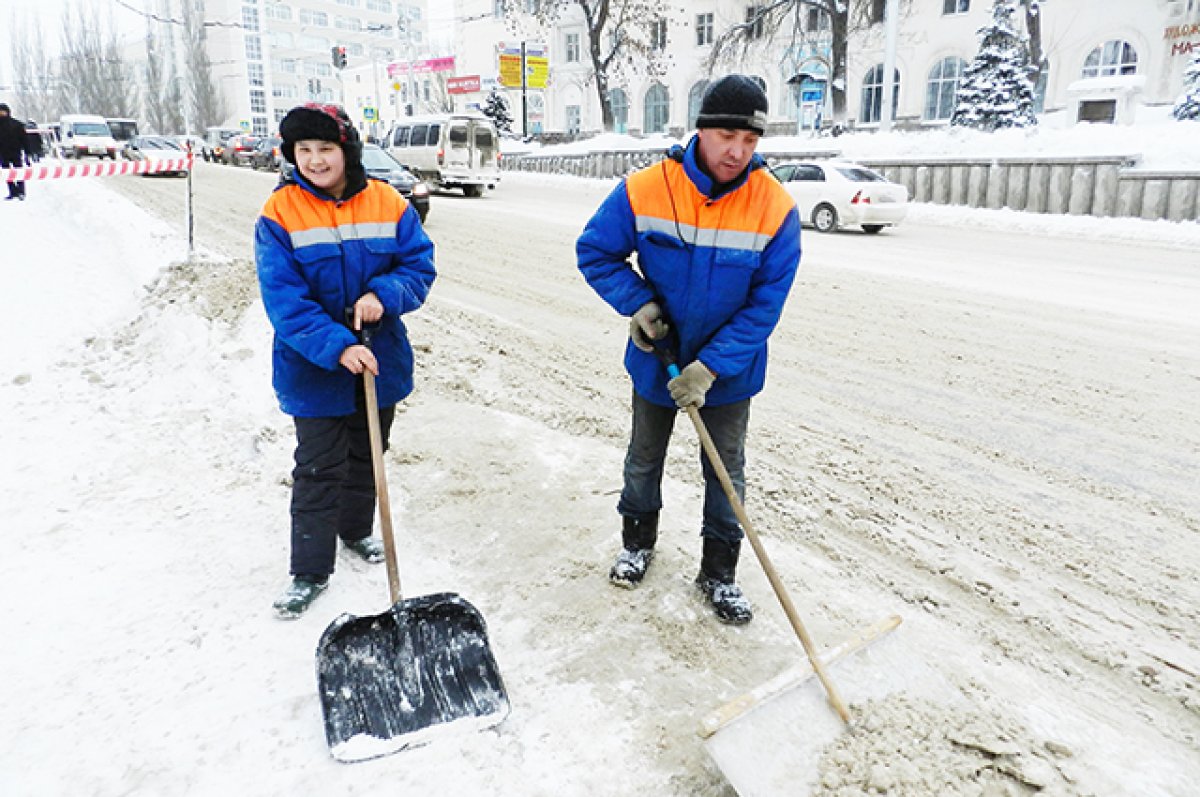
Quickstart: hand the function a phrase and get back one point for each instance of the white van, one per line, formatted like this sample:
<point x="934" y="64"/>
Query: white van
<point x="449" y="150"/>
<point x="86" y="134"/>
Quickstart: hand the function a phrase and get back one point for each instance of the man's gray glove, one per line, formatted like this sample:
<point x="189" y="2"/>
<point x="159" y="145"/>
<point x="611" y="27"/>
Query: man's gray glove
<point x="689" y="387"/>
<point x="647" y="326"/>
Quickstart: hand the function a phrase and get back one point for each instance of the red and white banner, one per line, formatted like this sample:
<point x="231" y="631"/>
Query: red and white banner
<point x="100" y="169"/>
<point x="467" y="84"/>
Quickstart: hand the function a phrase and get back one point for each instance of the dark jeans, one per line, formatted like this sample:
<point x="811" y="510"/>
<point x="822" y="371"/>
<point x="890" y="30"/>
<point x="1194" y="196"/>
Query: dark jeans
<point x="16" y="188"/>
<point x="647" y="453"/>
<point x="333" y="488"/>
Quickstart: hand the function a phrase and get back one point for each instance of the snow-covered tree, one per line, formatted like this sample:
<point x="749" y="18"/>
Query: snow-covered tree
<point x="496" y="109"/>
<point x="996" y="90"/>
<point x="1188" y="104"/>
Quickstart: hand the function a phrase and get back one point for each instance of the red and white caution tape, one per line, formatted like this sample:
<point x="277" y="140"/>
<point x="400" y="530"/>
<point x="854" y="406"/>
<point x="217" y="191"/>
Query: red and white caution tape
<point x="109" y="169"/>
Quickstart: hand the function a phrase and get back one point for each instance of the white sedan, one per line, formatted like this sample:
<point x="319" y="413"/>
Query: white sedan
<point x="835" y="194"/>
<point x="156" y="149"/>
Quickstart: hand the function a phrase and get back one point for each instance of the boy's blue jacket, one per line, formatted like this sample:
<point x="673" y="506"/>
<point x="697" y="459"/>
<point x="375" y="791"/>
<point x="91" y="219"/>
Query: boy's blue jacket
<point x="719" y="264"/>
<point x="316" y="257"/>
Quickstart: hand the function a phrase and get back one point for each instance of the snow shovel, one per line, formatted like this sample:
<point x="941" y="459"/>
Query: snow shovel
<point x="420" y="670"/>
<point x="667" y="358"/>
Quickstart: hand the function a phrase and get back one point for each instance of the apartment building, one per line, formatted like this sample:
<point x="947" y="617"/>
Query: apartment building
<point x="270" y="55"/>
<point x="1107" y="60"/>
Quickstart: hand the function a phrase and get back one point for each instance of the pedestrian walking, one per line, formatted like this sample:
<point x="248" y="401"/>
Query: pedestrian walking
<point x="717" y="245"/>
<point x="13" y="145"/>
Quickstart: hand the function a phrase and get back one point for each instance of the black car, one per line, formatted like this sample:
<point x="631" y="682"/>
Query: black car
<point x="382" y="166"/>
<point x="266" y="154"/>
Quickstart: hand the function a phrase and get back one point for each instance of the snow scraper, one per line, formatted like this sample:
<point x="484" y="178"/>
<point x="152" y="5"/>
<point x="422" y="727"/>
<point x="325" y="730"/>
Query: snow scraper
<point x="420" y="670"/>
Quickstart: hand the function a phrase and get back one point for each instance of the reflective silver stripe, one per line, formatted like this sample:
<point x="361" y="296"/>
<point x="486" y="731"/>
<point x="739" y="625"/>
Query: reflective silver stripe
<point x="343" y="232"/>
<point x="705" y="236"/>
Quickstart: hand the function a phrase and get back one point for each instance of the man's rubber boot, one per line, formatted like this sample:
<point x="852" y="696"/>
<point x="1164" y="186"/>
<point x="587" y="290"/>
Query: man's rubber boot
<point x="299" y="596"/>
<point x="638" y="538"/>
<point x="718" y="566"/>
<point x="369" y="548"/>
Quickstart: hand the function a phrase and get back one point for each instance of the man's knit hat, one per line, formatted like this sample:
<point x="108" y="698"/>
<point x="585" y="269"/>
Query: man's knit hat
<point x="316" y="122"/>
<point x="735" y="102"/>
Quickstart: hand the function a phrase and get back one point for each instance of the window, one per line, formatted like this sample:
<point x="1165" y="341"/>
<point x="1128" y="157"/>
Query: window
<point x="657" y="111"/>
<point x="695" y="96"/>
<point x="316" y="18"/>
<point x="318" y="68"/>
<point x="354" y="48"/>
<point x="279" y="11"/>
<point x="483" y="138"/>
<point x="618" y="100"/>
<point x="457" y="136"/>
<point x="658" y="34"/>
<point x="380" y="5"/>
<point x="704" y="29"/>
<point x="573" y="119"/>
<point x="254" y="74"/>
<point x="347" y="23"/>
<point x="260" y="124"/>
<point x="287" y="65"/>
<point x="400" y="137"/>
<point x="280" y="38"/>
<point x="755" y="20"/>
<point x="498" y="9"/>
<point x="315" y="43"/>
<point x="783" y="173"/>
<point x="942" y="87"/>
<point x="572" y="48"/>
<point x="250" y="18"/>
<point x="283" y="92"/>
<point x="253" y="48"/>
<point x="956" y="6"/>
<point x="258" y="101"/>
<point x="1114" y="58"/>
<point x="872" y="94"/>
<point x="349" y="3"/>
<point x="418" y="135"/>
<point x="807" y="173"/>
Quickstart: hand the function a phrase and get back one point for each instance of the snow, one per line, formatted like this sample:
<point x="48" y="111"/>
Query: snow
<point x="142" y="525"/>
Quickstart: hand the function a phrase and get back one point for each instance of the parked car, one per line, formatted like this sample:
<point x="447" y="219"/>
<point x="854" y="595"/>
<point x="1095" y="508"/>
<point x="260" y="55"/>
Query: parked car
<point x="835" y="194"/>
<point x="156" y="149"/>
<point x="197" y="143"/>
<point x="380" y="165"/>
<point x="239" y="149"/>
<point x="266" y="154"/>
<point x="86" y="134"/>
<point x="215" y="139"/>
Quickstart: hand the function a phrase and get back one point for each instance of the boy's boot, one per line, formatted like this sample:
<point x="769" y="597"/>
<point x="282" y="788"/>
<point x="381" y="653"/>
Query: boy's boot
<point x="718" y="565"/>
<point x="299" y="596"/>
<point x="369" y="548"/>
<point x="638" y="538"/>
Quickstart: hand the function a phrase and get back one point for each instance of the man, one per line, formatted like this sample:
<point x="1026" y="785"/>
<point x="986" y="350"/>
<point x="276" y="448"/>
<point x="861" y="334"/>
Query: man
<point x="718" y="244"/>
<point x="12" y="149"/>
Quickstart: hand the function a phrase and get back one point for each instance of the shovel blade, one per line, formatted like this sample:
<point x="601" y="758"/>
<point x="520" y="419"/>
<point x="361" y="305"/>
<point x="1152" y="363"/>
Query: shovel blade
<point x="422" y="669"/>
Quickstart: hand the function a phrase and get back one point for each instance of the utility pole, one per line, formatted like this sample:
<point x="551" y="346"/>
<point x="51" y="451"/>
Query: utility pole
<point x="524" y="98"/>
<point x="890" y="12"/>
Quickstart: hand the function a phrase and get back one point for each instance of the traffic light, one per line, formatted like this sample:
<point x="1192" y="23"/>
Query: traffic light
<point x="339" y="56"/>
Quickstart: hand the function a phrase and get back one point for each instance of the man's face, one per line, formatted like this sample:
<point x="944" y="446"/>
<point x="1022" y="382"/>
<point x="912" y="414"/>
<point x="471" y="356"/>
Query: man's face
<point x="726" y="153"/>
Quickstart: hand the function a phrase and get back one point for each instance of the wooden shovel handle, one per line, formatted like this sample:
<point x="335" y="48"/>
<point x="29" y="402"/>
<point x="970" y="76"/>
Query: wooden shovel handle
<point x="381" y="489"/>
<point x="710" y="449"/>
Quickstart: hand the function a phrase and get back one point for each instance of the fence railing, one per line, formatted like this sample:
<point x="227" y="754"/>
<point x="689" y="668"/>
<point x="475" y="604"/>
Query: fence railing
<point x="1086" y="185"/>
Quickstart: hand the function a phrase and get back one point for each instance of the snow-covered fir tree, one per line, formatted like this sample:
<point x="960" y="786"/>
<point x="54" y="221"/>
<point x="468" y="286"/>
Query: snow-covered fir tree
<point x="496" y="109"/>
<point x="1188" y="104"/>
<point x="996" y="90"/>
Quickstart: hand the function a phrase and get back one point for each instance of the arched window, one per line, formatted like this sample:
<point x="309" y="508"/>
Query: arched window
<point x="619" y="101"/>
<point x="1116" y="57"/>
<point x="872" y="94"/>
<point x="658" y="109"/>
<point x="695" y="96"/>
<point x="942" y="87"/>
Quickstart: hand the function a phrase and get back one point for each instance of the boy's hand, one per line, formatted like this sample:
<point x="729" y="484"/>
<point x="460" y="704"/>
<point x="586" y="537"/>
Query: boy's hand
<point x="358" y="358"/>
<point x="367" y="310"/>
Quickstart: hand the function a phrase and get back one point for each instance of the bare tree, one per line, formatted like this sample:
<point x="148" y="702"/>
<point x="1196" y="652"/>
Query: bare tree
<point x="623" y="37"/>
<point x="35" y="85"/>
<point x="799" y="24"/>
<point x="1033" y="26"/>
<point x="153" y="99"/>
<point x="209" y="105"/>
<point x="92" y="65"/>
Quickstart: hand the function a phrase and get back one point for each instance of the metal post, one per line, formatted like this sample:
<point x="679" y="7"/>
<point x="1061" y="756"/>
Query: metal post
<point x="524" y="99"/>
<point x="890" y="13"/>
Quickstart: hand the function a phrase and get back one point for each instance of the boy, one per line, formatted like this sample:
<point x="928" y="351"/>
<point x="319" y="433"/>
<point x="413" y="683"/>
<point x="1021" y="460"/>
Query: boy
<point x="335" y="252"/>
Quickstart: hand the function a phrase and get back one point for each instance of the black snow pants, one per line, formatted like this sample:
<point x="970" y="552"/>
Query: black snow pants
<point x="333" y="487"/>
<point x="16" y="188"/>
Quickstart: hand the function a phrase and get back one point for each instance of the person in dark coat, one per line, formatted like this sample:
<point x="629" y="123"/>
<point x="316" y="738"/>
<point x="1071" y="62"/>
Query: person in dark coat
<point x="12" y="149"/>
<point x="34" y="146"/>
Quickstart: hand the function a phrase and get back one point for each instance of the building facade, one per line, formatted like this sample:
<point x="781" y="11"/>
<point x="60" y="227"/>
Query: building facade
<point x="1106" y="60"/>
